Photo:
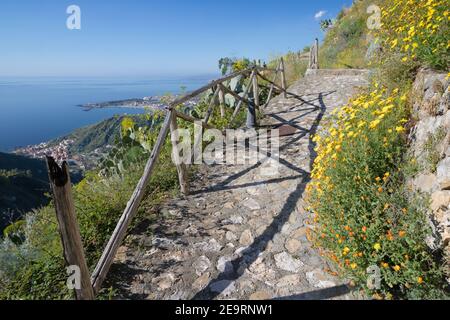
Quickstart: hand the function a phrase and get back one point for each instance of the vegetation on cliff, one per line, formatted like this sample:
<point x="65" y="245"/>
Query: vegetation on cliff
<point x="366" y="216"/>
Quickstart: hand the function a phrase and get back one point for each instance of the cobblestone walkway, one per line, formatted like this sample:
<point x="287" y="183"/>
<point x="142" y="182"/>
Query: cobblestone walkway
<point x="241" y="234"/>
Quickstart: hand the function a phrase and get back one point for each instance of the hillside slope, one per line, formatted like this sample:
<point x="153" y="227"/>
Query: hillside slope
<point x="23" y="184"/>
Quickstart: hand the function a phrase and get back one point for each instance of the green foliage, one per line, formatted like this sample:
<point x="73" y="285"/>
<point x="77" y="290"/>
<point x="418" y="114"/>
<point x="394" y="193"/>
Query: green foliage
<point x="326" y="24"/>
<point x="295" y="65"/>
<point x="345" y="44"/>
<point x="23" y="186"/>
<point x="99" y="135"/>
<point x="432" y="155"/>
<point x="416" y="31"/>
<point x="364" y="212"/>
<point x="230" y="65"/>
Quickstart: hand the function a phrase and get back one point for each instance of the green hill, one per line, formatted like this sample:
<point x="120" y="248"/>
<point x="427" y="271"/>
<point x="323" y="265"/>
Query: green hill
<point x="99" y="135"/>
<point x="23" y="184"/>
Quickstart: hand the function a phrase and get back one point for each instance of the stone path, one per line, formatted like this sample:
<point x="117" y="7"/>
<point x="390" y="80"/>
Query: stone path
<point x="242" y="234"/>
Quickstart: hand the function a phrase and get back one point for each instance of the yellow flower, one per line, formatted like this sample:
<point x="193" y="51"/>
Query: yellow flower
<point x="400" y="129"/>
<point x="377" y="246"/>
<point x="396" y="268"/>
<point x="345" y="251"/>
<point x="393" y="45"/>
<point x="419" y="280"/>
<point x="374" y="124"/>
<point x="385" y="265"/>
<point x="353" y="265"/>
<point x="405" y="59"/>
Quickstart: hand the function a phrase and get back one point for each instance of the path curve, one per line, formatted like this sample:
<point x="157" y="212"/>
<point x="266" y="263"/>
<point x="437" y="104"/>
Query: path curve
<point x="244" y="236"/>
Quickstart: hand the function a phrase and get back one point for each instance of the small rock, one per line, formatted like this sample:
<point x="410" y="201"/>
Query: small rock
<point x="228" y="205"/>
<point x="252" y="204"/>
<point x="293" y="246"/>
<point x="425" y="182"/>
<point x="236" y="219"/>
<point x="246" y="238"/>
<point x="191" y="231"/>
<point x="121" y="255"/>
<point x="285" y="229"/>
<point x="232" y="228"/>
<point x="286" y="262"/>
<point x="318" y="279"/>
<point x="224" y="265"/>
<point x="240" y="250"/>
<point x="165" y="281"/>
<point x="253" y="191"/>
<point x="443" y="174"/>
<point x="201" y="282"/>
<point x="213" y="246"/>
<point x="294" y="217"/>
<point x="201" y="265"/>
<point x="230" y="236"/>
<point x="163" y="243"/>
<point x="440" y="200"/>
<point x="289" y="280"/>
<point x="260" y="295"/>
<point x="299" y="233"/>
<point x="225" y="287"/>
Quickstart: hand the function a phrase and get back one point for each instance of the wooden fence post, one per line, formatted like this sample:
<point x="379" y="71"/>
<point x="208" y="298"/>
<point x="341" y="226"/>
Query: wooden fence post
<point x="314" y="55"/>
<point x="181" y="167"/>
<point x="222" y="103"/>
<point x="130" y="211"/>
<point x="256" y="90"/>
<point x="317" y="53"/>
<point x="251" y="107"/>
<point x="283" y="78"/>
<point x="68" y="226"/>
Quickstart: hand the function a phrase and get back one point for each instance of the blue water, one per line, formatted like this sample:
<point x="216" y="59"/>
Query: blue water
<point x="34" y="110"/>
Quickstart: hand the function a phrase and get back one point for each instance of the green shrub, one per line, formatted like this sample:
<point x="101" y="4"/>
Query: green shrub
<point x="364" y="214"/>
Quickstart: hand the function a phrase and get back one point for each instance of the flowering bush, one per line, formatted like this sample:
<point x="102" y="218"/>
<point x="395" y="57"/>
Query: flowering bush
<point x="417" y="30"/>
<point x="364" y="217"/>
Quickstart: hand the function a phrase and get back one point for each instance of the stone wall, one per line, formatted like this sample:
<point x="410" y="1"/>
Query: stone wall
<point x="430" y="149"/>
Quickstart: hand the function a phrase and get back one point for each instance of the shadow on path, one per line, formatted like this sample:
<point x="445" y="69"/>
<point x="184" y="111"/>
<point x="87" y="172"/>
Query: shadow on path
<point x="260" y="243"/>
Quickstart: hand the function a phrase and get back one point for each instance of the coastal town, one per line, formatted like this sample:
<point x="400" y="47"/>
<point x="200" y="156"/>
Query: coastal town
<point x="151" y="102"/>
<point x="61" y="152"/>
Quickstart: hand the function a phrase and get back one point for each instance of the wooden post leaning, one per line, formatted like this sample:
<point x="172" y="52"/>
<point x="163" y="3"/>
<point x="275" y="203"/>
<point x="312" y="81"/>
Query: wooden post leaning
<point x="68" y="226"/>
<point x="255" y="90"/>
<point x="130" y="211"/>
<point x="183" y="175"/>
<point x="283" y="78"/>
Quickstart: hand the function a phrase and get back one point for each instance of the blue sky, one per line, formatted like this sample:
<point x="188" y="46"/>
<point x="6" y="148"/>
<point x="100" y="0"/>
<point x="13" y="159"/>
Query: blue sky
<point x="142" y="38"/>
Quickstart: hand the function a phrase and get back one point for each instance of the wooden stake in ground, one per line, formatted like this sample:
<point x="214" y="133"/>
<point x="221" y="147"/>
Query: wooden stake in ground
<point x="68" y="226"/>
<point x="181" y="167"/>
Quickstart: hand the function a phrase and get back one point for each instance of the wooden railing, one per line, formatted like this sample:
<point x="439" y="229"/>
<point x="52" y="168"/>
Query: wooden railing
<point x="314" y="55"/>
<point x="61" y="185"/>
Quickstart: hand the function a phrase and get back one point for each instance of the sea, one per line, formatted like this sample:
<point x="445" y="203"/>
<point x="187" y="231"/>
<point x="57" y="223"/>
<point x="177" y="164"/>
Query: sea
<point x="35" y="110"/>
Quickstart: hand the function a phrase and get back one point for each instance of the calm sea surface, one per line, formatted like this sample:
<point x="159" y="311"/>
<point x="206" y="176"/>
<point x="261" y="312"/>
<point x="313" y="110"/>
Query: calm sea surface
<point x="34" y="110"/>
